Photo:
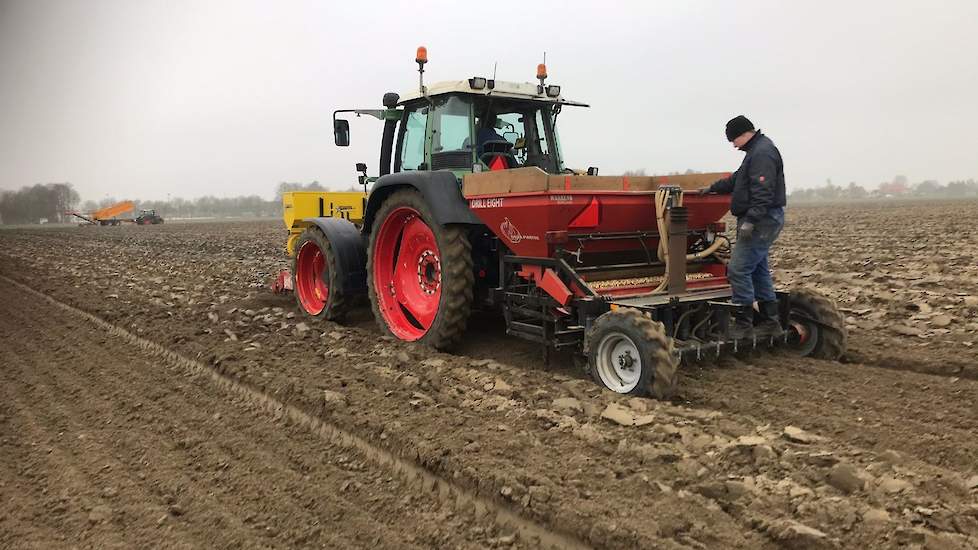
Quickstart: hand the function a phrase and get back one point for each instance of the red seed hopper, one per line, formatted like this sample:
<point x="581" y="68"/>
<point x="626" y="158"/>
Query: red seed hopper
<point x="606" y="228"/>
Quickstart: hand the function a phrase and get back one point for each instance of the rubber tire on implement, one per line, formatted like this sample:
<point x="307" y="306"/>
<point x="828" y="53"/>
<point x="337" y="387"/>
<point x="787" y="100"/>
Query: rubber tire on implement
<point x="659" y="375"/>
<point x="337" y="304"/>
<point x="455" y="278"/>
<point x="831" y="336"/>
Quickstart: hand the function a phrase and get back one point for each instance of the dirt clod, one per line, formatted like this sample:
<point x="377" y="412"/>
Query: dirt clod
<point x="798" y="435"/>
<point x="798" y="535"/>
<point x="567" y="405"/>
<point x="846" y="478"/>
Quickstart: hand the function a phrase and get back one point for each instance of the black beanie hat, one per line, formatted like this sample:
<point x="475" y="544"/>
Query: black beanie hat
<point x="738" y="125"/>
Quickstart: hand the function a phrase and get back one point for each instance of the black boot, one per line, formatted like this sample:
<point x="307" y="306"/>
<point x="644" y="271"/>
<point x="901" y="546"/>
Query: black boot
<point x="769" y="323"/>
<point x="742" y="323"/>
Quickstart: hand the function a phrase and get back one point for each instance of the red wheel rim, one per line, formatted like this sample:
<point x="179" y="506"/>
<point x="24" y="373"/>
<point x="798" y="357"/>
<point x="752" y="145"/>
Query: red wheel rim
<point x="310" y="277"/>
<point x="407" y="273"/>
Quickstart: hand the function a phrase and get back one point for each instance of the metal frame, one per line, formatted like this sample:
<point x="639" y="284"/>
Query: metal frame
<point x="533" y="315"/>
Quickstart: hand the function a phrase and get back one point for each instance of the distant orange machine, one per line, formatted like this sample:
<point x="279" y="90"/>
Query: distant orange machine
<point x="106" y="216"/>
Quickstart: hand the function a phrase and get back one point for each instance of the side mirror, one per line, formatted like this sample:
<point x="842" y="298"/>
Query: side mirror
<point x="341" y="132"/>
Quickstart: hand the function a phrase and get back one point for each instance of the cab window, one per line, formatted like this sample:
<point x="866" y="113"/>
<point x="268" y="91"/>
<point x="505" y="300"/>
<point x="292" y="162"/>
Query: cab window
<point x="451" y="125"/>
<point x="412" y="143"/>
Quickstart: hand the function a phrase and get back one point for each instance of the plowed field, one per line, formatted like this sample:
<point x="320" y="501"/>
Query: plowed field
<point x="153" y="394"/>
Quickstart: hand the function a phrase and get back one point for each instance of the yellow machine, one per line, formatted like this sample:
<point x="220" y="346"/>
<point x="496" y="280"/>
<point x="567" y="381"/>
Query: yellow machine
<point x="300" y="205"/>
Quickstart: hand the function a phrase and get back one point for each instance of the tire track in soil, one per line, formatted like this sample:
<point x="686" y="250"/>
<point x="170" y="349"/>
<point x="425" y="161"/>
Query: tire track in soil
<point x="79" y="454"/>
<point x="936" y="422"/>
<point x="931" y="416"/>
<point x="191" y="451"/>
<point x="448" y="495"/>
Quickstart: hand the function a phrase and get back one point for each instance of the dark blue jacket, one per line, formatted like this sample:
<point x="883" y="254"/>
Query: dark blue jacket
<point x="758" y="185"/>
<point x="484" y="135"/>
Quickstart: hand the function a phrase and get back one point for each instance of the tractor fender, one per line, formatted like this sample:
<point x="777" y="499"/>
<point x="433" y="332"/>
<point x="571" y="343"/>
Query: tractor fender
<point x="348" y="248"/>
<point x="440" y="190"/>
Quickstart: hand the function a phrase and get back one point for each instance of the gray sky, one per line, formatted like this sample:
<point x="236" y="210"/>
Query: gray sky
<point x="142" y="98"/>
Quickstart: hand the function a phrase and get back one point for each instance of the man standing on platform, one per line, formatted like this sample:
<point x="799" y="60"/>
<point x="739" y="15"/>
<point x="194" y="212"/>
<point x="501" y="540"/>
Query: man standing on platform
<point x="758" y="200"/>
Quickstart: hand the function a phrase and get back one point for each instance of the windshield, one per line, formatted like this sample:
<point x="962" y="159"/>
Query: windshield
<point x="522" y="130"/>
<point x="459" y="131"/>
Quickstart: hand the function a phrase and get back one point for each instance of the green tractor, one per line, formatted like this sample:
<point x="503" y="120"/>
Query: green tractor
<point x="148" y="217"/>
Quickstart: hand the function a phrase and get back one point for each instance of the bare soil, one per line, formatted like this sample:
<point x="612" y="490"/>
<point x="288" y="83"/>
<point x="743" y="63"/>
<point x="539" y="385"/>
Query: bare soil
<point x="192" y="408"/>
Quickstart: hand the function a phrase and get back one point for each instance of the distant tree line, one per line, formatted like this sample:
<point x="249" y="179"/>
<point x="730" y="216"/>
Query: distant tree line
<point x="50" y="202"/>
<point x="899" y="187"/>
<point x="36" y="203"/>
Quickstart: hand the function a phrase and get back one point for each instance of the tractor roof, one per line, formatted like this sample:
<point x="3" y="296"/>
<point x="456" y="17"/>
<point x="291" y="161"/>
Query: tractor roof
<point x="511" y="90"/>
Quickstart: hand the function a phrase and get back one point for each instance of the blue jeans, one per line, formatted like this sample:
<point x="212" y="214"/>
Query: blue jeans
<point x="748" y="272"/>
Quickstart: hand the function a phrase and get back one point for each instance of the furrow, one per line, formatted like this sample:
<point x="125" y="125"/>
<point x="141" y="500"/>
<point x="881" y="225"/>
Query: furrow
<point x="445" y="491"/>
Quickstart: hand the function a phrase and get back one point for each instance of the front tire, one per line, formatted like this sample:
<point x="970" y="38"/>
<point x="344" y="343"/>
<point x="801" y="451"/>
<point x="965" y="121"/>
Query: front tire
<point x="631" y="354"/>
<point x="419" y="273"/>
<point x="318" y="285"/>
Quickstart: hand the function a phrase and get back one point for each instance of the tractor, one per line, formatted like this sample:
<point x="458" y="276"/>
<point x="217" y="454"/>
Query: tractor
<point x="474" y="207"/>
<point x="148" y="217"/>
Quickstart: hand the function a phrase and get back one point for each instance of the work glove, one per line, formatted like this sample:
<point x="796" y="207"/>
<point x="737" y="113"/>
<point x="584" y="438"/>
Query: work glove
<point x="746" y="230"/>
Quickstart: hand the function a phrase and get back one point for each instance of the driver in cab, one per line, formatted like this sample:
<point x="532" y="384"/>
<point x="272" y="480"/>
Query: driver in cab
<point x="489" y="141"/>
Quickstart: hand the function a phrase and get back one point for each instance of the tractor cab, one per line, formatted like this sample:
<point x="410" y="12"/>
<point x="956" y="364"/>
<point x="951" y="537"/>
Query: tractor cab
<point x="464" y="129"/>
<point x="465" y="126"/>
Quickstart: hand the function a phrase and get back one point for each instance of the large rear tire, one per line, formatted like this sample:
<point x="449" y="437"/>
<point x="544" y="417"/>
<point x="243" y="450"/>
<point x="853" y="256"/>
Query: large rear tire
<point x="631" y="354"/>
<point x="318" y="289"/>
<point x="419" y="273"/>
<point x="820" y="326"/>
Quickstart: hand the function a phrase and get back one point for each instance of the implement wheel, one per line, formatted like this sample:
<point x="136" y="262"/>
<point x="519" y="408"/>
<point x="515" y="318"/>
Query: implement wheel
<point x="419" y="273"/>
<point x="630" y="353"/>
<point x="318" y="291"/>
<point x="820" y="327"/>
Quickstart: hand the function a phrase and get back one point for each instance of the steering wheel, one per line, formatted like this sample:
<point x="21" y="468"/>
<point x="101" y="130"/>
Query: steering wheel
<point x="496" y="146"/>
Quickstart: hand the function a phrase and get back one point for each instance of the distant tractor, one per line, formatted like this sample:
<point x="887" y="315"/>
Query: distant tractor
<point x="148" y="217"/>
<point x="109" y="215"/>
<point x="475" y="207"/>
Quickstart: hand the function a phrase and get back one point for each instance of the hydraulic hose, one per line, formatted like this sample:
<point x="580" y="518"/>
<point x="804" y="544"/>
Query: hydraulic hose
<point x="717" y="243"/>
<point x="661" y="199"/>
